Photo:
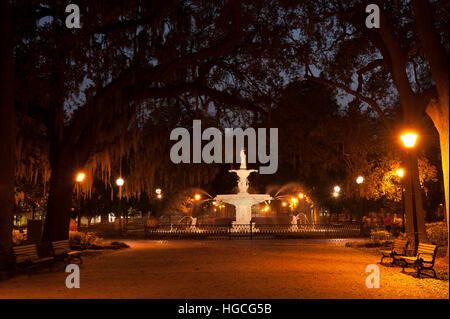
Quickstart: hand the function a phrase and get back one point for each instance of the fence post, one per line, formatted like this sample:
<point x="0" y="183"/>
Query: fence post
<point x="229" y="231"/>
<point x="251" y="230"/>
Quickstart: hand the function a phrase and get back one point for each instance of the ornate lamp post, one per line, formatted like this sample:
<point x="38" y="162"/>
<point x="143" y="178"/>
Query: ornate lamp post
<point x="409" y="141"/>
<point x="79" y="179"/>
<point x="359" y="181"/>
<point x="120" y="182"/>
<point x="400" y="173"/>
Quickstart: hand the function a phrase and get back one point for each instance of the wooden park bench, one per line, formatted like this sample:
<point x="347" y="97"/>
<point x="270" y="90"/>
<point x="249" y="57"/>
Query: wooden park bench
<point x="61" y="251"/>
<point x="424" y="259"/>
<point x="27" y="258"/>
<point x="399" y="248"/>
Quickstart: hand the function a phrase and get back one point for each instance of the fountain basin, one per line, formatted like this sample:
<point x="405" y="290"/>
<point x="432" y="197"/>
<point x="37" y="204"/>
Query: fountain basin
<point x="243" y="198"/>
<point x="243" y="203"/>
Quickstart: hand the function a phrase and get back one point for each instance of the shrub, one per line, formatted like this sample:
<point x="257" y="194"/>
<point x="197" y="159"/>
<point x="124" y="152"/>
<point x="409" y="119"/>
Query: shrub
<point x="18" y="237"/>
<point x="84" y="240"/>
<point x="380" y="235"/>
<point x="437" y="233"/>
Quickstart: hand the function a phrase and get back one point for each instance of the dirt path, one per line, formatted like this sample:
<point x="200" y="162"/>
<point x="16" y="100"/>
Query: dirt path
<point x="228" y="269"/>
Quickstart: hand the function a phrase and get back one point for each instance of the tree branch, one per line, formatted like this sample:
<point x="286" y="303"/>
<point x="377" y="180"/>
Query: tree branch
<point x="358" y="95"/>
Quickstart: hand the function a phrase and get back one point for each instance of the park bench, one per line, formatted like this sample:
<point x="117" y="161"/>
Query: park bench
<point x="27" y="258"/>
<point x="424" y="259"/>
<point x="61" y="251"/>
<point x="399" y="248"/>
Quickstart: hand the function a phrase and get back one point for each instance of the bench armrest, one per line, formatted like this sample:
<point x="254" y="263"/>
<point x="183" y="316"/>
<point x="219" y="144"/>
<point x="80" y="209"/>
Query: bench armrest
<point x="425" y="254"/>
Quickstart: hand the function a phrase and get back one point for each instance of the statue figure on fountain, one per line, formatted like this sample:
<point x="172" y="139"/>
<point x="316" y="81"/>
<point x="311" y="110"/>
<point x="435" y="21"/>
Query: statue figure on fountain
<point x="294" y="222"/>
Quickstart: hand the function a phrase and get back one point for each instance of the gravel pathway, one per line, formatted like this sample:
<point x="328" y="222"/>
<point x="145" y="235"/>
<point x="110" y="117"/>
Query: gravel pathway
<point x="229" y="269"/>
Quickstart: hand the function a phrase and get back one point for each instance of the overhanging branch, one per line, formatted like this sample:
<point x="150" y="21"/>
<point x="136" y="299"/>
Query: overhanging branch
<point x="358" y="95"/>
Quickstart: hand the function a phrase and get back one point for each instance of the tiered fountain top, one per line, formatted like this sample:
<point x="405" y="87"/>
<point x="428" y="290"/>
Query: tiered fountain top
<point x="243" y="197"/>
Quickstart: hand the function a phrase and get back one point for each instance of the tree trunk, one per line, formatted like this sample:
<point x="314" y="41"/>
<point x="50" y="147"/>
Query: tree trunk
<point x="408" y="198"/>
<point x="7" y="134"/>
<point x="439" y="113"/>
<point x="59" y="206"/>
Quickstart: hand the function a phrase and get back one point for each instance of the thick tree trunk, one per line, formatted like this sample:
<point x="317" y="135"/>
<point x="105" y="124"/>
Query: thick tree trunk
<point x="420" y="213"/>
<point x="59" y="205"/>
<point x="439" y="113"/>
<point x="7" y="134"/>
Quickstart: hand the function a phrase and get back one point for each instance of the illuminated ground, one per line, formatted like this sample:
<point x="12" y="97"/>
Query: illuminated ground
<point x="229" y="269"/>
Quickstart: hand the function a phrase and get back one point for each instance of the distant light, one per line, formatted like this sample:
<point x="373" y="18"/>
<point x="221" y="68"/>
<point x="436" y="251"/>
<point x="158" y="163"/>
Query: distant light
<point x="360" y="179"/>
<point x="400" y="172"/>
<point x="120" y="181"/>
<point x="266" y="208"/>
<point x="159" y="196"/>
<point x="335" y="194"/>
<point x="337" y="189"/>
<point x="214" y="203"/>
<point x="409" y="139"/>
<point x="301" y="195"/>
<point x="80" y="177"/>
<point x="158" y="191"/>
<point x="284" y="204"/>
<point x="197" y="197"/>
<point x="294" y="200"/>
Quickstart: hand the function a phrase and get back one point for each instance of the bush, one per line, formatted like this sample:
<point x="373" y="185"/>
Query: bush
<point x="380" y="235"/>
<point x="18" y="237"/>
<point x="84" y="240"/>
<point x="437" y="233"/>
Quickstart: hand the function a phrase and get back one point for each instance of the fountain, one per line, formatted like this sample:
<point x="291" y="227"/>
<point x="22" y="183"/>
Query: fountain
<point x="243" y="201"/>
<point x="294" y="223"/>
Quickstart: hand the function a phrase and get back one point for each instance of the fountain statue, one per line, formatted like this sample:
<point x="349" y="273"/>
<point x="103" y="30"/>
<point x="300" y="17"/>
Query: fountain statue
<point x="193" y="226"/>
<point x="294" y="222"/>
<point x="243" y="201"/>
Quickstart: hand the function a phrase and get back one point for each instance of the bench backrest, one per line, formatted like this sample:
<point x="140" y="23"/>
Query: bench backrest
<point x="24" y="253"/>
<point x="400" y="246"/>
<point x="60" y="246"/>
<point x="427" y="252"/>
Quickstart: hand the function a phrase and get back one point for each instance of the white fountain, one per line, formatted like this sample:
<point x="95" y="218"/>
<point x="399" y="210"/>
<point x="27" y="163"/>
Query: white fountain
<point x="294" y="223"/>
<point x="193" y="227"/>
<point x="243" y="201"/>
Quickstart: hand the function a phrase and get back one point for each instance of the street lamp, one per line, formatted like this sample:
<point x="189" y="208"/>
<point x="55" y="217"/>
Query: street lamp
<point x="400" y="172"/>
<point x="79" y="179"/>
<point x="337" y="189"/>
<point x="120" y="182"/>
<point x="301" y="195"/>
<point x="197" y="196"/>
<point x="359" y="181"/>
<point x="409" y="141"/>
<point x="335" y="194"/>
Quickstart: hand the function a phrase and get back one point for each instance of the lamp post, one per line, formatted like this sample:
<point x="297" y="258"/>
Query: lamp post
<point x="400" y="173"/>
<point x="79" y="179"/>
<point x="409" y="141"/>
<point x="336" y="195"/>
<point x="120" y="182"/>
<point x="359" y="181"/>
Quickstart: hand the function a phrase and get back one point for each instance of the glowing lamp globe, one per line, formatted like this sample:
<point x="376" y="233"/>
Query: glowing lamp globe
<point x="409" y="139"/>
<point x="80" y="177"/>
<point x="120" y="181"/>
